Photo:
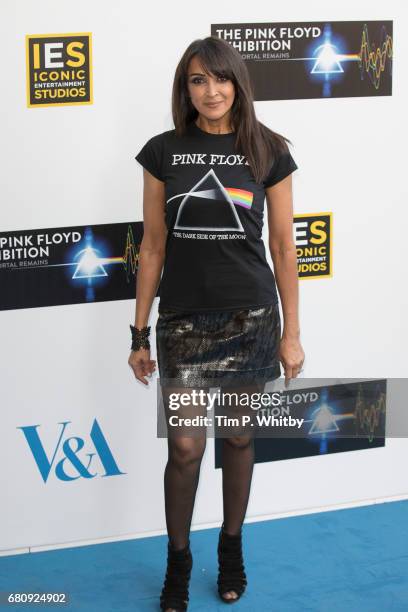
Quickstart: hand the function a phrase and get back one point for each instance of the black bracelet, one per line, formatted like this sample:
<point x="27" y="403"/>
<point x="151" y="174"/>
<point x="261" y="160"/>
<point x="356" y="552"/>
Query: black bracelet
<point x="140" y="337"/>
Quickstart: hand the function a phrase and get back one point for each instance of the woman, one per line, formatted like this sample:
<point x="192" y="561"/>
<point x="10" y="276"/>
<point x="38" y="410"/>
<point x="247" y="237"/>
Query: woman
<point x="205" y="184"/>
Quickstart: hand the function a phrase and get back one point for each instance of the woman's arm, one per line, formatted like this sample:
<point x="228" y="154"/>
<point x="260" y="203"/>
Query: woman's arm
<point x="283" y="254"/>
<point x="152" y="248"/>
<point x="151" y="259"/>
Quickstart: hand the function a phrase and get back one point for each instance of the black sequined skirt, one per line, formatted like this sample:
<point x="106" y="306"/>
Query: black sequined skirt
<point x="221" y="348"/>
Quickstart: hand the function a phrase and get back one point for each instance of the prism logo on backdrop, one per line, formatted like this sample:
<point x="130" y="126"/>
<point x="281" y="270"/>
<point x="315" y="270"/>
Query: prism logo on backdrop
<point x="76" y="461"/>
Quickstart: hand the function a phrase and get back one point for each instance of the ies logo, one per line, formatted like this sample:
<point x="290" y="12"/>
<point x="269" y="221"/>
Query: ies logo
<point x="313" y="236"/>
<point x="59" y="69"/>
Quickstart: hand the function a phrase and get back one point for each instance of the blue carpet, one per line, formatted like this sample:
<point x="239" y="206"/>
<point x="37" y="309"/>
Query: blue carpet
<point x="340" y="561"/>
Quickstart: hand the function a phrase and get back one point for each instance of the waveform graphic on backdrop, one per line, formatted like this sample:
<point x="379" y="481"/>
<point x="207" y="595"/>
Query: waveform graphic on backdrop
<point x="373" y="60"/>
<point x="130" y="257"/>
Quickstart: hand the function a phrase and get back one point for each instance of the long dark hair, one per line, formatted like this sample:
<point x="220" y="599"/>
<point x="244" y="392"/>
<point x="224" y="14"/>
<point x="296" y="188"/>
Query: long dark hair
<point x="256" y="141"/>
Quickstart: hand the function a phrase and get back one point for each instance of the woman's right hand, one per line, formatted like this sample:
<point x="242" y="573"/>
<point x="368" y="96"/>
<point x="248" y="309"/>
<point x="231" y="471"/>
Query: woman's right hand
<point x="141" y="364"/>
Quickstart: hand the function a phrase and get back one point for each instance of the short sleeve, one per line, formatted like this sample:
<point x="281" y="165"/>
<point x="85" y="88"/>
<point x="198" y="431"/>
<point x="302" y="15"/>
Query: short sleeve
<point x="283" y="165"/>
<point x="150" y="156"/>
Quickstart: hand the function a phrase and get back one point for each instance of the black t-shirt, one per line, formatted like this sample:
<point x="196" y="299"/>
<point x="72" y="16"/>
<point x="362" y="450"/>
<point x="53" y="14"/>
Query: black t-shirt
<point x="215" y="255"/>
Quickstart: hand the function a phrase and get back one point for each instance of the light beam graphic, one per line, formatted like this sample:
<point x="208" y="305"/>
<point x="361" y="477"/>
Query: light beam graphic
<point x="328" y="58"/>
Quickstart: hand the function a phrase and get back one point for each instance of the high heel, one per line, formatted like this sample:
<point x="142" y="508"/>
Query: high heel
<point x="174" y="593"/>
<point x="231" y="571"/>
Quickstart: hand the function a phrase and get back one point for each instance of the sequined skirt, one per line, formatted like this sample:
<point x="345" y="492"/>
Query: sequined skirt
<point x="221" y="348"/>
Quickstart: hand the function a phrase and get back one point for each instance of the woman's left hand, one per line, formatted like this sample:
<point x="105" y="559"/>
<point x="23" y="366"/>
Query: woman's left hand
<point x="291" y="355"/>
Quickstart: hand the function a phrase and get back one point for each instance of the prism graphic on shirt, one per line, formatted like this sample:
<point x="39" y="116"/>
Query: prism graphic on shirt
<point x="211" y="206"/>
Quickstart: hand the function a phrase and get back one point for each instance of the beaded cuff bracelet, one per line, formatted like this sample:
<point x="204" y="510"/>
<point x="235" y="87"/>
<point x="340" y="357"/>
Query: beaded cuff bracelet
<point x="140" y="337"/>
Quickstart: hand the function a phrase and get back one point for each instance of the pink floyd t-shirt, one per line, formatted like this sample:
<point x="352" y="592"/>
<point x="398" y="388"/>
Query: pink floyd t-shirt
<point x="215" y="255"/>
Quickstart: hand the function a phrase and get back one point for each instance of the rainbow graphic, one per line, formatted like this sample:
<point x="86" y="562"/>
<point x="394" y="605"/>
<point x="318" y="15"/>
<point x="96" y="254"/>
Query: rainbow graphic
<point x="240" y="196"/>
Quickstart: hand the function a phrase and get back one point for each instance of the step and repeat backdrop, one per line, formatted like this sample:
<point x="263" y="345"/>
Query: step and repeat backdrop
<point x="81" y="457"/>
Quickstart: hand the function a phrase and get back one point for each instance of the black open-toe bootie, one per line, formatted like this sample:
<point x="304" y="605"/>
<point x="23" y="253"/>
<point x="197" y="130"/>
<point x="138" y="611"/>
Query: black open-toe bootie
<point x="174" y="593"/>
<point x="231" y="571"/>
